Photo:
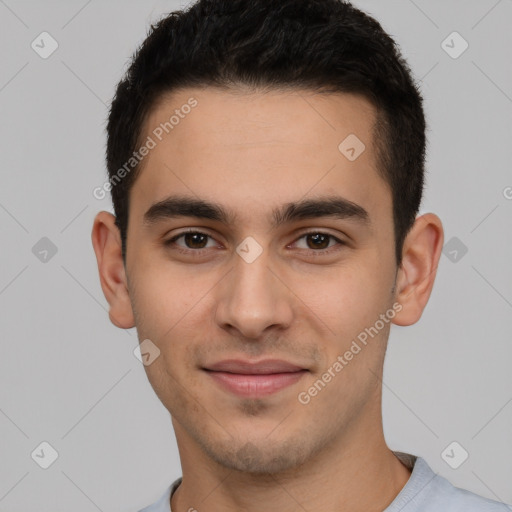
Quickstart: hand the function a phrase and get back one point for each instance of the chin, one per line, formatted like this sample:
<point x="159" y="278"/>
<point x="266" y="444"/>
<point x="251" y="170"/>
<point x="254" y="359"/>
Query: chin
<point x="260" y="457"/>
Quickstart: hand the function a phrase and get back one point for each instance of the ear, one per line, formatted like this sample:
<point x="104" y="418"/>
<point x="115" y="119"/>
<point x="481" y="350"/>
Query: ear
<point x="417" y="272"/>
<point x="106" y="240"/>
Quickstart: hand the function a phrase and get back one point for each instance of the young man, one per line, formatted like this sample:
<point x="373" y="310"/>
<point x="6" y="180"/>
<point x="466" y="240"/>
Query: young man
<point x="266" y="167"/>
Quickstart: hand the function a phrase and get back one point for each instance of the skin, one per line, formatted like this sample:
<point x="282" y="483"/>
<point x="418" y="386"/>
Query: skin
<point x="251" y="153"/>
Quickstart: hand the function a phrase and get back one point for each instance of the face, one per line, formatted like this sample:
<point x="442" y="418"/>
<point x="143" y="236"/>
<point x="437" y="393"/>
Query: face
<point x="268" y="281"/>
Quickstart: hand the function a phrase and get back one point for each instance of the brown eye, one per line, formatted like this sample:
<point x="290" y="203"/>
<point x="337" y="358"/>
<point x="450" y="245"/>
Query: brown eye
<point x="318" y="240"/>
<point x="193" y="241"/>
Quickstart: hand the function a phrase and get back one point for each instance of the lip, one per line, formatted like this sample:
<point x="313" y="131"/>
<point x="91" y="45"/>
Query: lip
<point x="267" y="366"/>
<point x="252" y="380"/>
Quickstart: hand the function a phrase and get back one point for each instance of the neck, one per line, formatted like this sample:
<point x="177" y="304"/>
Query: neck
<point x="356" y="473"/>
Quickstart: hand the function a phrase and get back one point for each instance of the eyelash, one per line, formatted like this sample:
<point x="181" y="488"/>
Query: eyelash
<point x="199" y="252"/>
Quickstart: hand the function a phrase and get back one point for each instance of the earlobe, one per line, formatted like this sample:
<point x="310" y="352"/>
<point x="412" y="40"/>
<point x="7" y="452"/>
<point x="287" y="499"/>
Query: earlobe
<point x="417" y="272"/>
<point x="106" y="241"/>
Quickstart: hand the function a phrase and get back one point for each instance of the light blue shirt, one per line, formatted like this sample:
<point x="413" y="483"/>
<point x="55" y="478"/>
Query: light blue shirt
<point x="425" y="491"/>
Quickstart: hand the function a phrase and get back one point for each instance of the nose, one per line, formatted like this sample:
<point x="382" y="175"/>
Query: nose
<point x="254" y="297"/>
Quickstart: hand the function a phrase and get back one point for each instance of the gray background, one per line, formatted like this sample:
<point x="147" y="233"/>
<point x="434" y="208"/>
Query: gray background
<point x="70" y="378"/>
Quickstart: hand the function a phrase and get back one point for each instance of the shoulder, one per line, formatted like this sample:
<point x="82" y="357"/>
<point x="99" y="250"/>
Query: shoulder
<point x="445" y="496"/>
<point x="163" y="504"/>
<point x="427" y="491"/>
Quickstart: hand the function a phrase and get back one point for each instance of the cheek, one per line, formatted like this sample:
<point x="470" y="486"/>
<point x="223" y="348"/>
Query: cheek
<point x="173" y="373"/>
<point x="163" y="297"/>
<point x="171" y="306"/>
<point x="345" y="301"/>
<point x="341" y="297"/>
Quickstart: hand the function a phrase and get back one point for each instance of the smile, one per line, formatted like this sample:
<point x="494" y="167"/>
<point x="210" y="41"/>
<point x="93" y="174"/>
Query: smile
<point x="255" y="385"/>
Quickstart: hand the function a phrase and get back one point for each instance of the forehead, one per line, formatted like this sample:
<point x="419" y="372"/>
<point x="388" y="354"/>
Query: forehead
<point x="267" y="148"/>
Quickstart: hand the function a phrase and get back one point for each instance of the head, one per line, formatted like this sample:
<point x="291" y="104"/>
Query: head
<point x="289" y="139"/>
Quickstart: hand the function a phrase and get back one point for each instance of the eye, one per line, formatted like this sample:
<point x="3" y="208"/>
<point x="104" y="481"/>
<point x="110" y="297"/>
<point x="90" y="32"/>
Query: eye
<point x="320" y="242"/>
<point x="194" y="241"/>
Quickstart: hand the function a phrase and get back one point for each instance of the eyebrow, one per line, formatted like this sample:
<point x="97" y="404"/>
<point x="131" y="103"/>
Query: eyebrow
<point x="331" y="206"/>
